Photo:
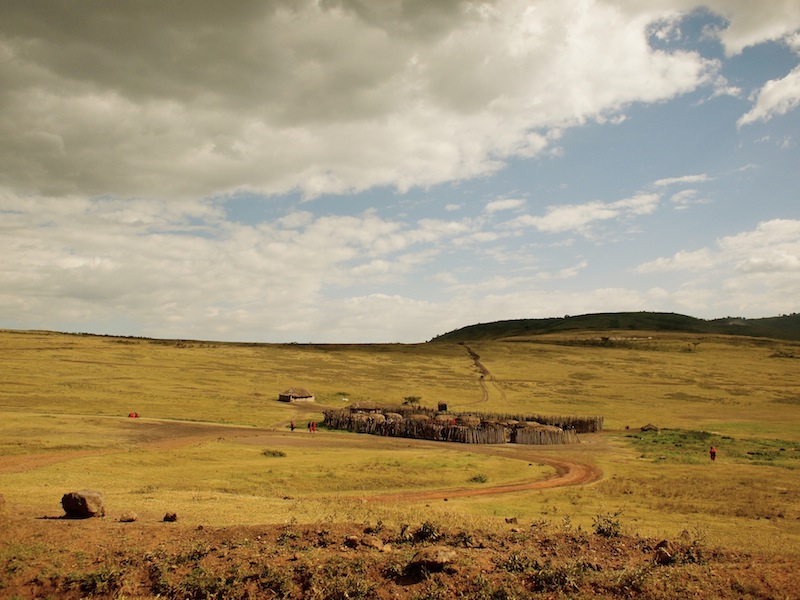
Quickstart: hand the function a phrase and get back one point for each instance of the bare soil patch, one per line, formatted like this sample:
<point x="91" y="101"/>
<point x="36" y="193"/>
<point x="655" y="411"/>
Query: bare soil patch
<point x="103" y="558"/>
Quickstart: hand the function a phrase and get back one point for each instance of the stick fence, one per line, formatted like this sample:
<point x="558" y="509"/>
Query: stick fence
<point x="428" y="424"/>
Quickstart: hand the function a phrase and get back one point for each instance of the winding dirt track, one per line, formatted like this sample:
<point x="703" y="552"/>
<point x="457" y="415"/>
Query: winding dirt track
<point x="567" y="473"/>
<point x="485" y="376"/>
<point x="166" y="435"/>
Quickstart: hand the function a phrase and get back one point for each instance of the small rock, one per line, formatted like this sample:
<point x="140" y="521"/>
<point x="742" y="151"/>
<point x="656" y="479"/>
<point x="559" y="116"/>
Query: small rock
<point x="434" y="558"/>
<point x="665" y="544"/>
<point x="83" y="504"/>
<point x="662" y="557"/>
<point x="128" y="517"/>
<point x="170" y="517"/>
<point x="351" y="541"/>
<point x="372" y="541"/>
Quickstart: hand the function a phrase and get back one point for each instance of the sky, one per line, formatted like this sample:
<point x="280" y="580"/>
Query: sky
<point x="361" y="171"/>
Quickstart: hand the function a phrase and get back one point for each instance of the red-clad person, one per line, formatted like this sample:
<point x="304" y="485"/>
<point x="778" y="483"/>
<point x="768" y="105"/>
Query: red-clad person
<point x="713" y="453"/>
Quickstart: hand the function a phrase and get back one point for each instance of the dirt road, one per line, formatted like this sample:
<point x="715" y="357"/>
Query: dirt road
<point x="165" y="435"/>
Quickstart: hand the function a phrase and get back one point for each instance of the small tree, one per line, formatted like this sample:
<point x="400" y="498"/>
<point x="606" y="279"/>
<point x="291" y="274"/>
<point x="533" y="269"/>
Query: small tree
<point x="412" y="400"/>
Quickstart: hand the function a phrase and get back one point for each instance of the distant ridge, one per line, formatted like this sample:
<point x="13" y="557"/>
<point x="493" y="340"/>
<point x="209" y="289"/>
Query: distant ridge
<point x="785" y="327"/>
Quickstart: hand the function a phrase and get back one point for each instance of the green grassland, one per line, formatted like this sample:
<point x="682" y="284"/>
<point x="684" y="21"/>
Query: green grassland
<point x="68" y="395"/>
<point x="725" y="384"/>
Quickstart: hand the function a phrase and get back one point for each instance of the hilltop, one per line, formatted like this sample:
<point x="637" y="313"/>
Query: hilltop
<point x="785" y="327"/>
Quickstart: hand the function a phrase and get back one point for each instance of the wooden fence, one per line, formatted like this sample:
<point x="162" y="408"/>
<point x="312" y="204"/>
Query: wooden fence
<point x="428" y="424"/>
<point x="584" y="424"/>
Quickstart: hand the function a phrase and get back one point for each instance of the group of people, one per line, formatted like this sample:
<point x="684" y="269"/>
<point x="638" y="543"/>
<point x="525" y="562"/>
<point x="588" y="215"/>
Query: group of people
<point x="312" y="426"/>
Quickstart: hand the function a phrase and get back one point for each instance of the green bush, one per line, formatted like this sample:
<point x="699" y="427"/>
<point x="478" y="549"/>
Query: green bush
<point x="428" y="532"/>
<point x="608" y="525"/>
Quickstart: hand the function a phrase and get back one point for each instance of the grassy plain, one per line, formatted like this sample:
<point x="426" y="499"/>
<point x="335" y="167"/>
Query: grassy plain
<point x="213" y="443"/>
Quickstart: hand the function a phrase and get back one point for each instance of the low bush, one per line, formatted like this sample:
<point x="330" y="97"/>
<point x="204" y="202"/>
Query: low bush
<point x="608" y="525"/>
<point x="275" y="453"/>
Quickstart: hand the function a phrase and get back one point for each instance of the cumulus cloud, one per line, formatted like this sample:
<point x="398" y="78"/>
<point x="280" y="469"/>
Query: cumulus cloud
<point x="580" y="217"/>
<point x="683" y="179"/>
<point x="750" y="23"/>
<point x="321" y="97"/>
<point x="130" y="130"/>
<point x="504" y="204"/>
<point x="775" y="98"/>
<point x="758" y="269"/>
<point x="179" y="270"/>
<point x="681" y="261"/>
<point x="686" y="198"/>
<point x="771" y="244"/>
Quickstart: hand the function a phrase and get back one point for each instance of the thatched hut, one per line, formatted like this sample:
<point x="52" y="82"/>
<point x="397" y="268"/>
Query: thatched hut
<point x="296" y="394"/>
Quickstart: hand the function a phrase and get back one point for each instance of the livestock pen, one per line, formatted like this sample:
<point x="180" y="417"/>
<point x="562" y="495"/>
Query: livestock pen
<point x="428" y="424"/>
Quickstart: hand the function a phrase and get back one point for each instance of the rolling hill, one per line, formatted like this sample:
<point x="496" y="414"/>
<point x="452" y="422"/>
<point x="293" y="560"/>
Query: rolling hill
<point x="786" y="327"/>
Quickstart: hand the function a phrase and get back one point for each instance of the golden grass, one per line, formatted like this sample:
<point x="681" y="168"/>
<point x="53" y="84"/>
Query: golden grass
<point x="65" y="397"/>
<point x="723" y="384"/>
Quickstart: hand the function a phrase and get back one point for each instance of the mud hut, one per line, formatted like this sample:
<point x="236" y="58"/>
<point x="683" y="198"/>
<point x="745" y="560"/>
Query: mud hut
<point x="296" y="394"/>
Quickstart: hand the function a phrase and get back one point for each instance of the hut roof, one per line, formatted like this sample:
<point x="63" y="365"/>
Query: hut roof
<point x="297" y="392"/>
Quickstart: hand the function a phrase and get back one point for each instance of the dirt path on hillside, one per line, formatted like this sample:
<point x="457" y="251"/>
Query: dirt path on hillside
<point x="486" y="378"/>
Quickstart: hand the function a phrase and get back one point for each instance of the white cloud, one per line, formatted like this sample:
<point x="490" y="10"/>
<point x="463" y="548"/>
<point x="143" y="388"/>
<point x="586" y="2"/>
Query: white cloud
<point x="775" y="98"/>
<point x="573" y="270"/>
<point x="749" y="23"/>
<point x="772" y="246"/>
<point x="757" y="270"/>
<point x="579" y="217"/>
<point x="686" y="198"/>
<point x="127" y="129"/>
<point x="319" y="97"/>
<point x="684" y="179"/>
<point x="167" y="270"/>
<point x="680" y="261"/>
<point x="793" y="41"/>
<point x="504" y="204"/>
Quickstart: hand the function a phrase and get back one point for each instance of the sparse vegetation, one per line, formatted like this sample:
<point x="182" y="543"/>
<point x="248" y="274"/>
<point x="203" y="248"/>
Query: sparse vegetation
<point x="273" y="453"/>
<point x="608" y="525"/>
<point x="209" y="436"/>
<point x="250" y="563"/>
<point x="691" y="447"/>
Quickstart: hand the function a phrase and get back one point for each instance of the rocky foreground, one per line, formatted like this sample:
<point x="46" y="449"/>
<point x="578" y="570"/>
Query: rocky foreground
<point x="146" y="558"/>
